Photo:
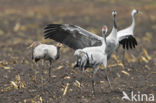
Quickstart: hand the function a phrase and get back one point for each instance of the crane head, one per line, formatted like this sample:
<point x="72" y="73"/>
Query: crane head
<point x="114" y="13"/>
<point x="59" y="45"/>
<point x="104" y="29"/>
<point x="134" y="11"/>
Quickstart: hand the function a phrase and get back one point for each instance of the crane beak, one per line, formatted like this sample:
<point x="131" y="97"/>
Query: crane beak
<point x="139" y="12"/>
<point x="60" y="45"/>
<point x="30" y="46"/>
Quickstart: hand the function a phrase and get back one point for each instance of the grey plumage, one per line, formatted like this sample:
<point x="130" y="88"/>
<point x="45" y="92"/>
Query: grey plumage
<point x="92" y="57"/>
<point x="71" y="35"/>
<point x="45" y="52"/>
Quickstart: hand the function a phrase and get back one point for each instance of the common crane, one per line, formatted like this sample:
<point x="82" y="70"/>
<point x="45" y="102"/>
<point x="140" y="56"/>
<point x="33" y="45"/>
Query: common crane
<point x="45" y="52"/>
<point x="93" y="58"/>
<point x="126" y="36"/>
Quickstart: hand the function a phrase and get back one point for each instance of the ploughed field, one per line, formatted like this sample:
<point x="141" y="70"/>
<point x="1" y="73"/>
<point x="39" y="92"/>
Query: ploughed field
<point x="22" y="22"/>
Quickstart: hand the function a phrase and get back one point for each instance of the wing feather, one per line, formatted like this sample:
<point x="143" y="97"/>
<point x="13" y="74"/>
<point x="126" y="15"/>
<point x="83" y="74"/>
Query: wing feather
<point x="72" y="35"/>
<point x="127" y="35"/>
<point x="128" y="41"/>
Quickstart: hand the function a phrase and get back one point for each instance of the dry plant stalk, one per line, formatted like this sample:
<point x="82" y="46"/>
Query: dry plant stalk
<point x="14" y="84"/>
<point x="77" y="83"/>
<point x="126" y="73"/>
<point x="146" y="54"/>
<point x="65" y="90"/>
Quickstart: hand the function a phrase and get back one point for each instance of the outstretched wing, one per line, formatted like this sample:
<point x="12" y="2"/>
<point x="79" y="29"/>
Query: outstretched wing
<point x="126" y="39"/>
<point x="72" y="35"/>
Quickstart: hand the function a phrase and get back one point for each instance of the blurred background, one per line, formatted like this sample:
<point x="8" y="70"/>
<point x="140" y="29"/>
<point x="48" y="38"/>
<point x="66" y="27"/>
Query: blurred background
<point x="22" y="22"/>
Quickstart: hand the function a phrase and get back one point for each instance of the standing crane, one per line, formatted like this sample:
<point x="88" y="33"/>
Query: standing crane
<point x="45" y="52"/>
<point x="90" y="57"/>
<point x="126" y="36"/>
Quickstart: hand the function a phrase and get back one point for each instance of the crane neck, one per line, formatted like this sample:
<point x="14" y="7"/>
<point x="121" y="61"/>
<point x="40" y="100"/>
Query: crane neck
<point x="114" y="21"/>
<point x="104" y="37"/>
<point x="58" y="53"/>
<point x="133" y="22"/>
<point x="114" y="30"/>
<point x="104" y="42"/>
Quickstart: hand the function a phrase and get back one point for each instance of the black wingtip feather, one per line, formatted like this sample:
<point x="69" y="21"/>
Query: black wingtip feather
<point x="124" y="44"/>
<point x="51" y="29"/>
<point x="49" y="26"/>
<point x="129" y="42"/>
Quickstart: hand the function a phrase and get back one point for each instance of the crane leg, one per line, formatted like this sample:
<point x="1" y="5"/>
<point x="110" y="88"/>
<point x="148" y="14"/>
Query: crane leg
<point x="105" y="73"/>
<point x="93" y="77"/>
<point x="108" y="78"/>
<point x="34" y="69"/>
<point x="42" y="74"/>
<point x="123" y="58"/>
<point x="50" y="68"/>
